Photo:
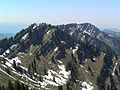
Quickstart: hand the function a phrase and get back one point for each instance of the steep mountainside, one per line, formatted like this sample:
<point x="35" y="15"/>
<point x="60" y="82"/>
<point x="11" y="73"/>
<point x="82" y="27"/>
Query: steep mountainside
<point x="63" y="57"/>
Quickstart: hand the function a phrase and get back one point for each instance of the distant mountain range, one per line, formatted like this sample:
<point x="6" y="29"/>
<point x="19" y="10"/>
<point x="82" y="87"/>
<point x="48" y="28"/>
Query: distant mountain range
<point x="111" y="33"/>
<point x="60" y="57"/>
<point x="6" y="35"/>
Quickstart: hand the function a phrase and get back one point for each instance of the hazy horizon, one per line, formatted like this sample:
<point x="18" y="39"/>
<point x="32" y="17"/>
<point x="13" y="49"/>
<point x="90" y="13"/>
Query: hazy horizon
<point x="16" y="15"/>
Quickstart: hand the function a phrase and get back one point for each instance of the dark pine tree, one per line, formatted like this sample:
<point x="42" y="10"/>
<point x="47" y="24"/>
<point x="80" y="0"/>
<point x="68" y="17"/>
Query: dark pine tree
<point x="10" y="85"/>
<point x="17" y="85"/>
<point x="60" y="87"/>
<point x="2" y="87"/>
<point x="14" y="64"/>
<point x="7" y="70"/>
<point x="22" y="86"/>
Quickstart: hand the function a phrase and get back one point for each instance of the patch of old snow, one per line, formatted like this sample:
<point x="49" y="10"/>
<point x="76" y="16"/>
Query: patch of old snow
<point x="34" y="26"/>
<point x="114" y="68"/>
<point x="63" y="71"/>
<point x="17" y="60"/>
<point x="81" y="66"/>
<point x="8" y="51"/>
<point x="49" y="76"/>
<point x="25" y="36"/>
<point x="47" y="79"/>
<point x="63" y="42"/>
<point x="86" y="32"/>
<point x="13" y="46"/>
<point x="55" y="78"/>
<point x="86" y="71"/>
<point x="86" y="60"/>
<point x="4" y="66"/>
<point x="48" y="31"/>
<point x="70" y="48"/>
<point x="60" y="80"/>
<point x="90" y="83"/>
<point x="53" y="72"/>
<point x="86" y="86"/>
<point x="104" y="54"/>
<point x="8" y="64"/>
<point x="74" y="50"/>
<point x="30" y="53"/>
<point x="21" y="53"/>
<point x="83" y="38"/>
<point x="59" y="61"/>
<point x="94" y="59"/>
<point x="110" y="35"/>
<point x="56" y="49"/>
<point x="24" y="68"/>
<point x="1" y="56"/>
<point x="71" y="33"/>
<point x="78" y="27"/>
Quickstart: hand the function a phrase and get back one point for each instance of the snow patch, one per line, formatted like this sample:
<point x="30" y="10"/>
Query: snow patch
<point x="63" y="71"/>
<point x="74" y="50"/>
<point x="48" y="31"/>
<point x="63" y="42"/>
<point x="110" y="35"/>
<point x="17" y="60"/>
<point x="36" y="25"/>
<point x="114" y="68"/>
<point x="83" y="38"/>
<point x="6" y="52"/>
<point x="25" y="36"/>
<point x="8" y="64"/>
<point x="4" y="66"/>
<point x="59" y="61"/>
<point x="30" y="54"/>
<point x="13" y="46"/>
<point x="24" y="68"/>
<point x="55" y="78"/>
<point x="86" y="32"/>
<point x="94" y="59"/>
<point x="81" y="66"/>
<point x="86" y="71"/>
<point x="86" y="86"/>
<point x="71" y="33"/>
<point x="78" y="27"/>
<point x="56" y="49"/>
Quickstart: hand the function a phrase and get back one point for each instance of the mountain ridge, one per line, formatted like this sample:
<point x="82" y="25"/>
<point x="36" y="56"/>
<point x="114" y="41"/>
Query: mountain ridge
<point x="72" y="56"/>
<point x="113" y="34"/>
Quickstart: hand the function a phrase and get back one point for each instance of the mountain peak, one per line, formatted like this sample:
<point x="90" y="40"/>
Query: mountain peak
<point x="48" y="56"/>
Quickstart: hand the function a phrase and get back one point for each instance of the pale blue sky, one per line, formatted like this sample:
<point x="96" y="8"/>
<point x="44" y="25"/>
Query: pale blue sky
<point x="98" y="12"/>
